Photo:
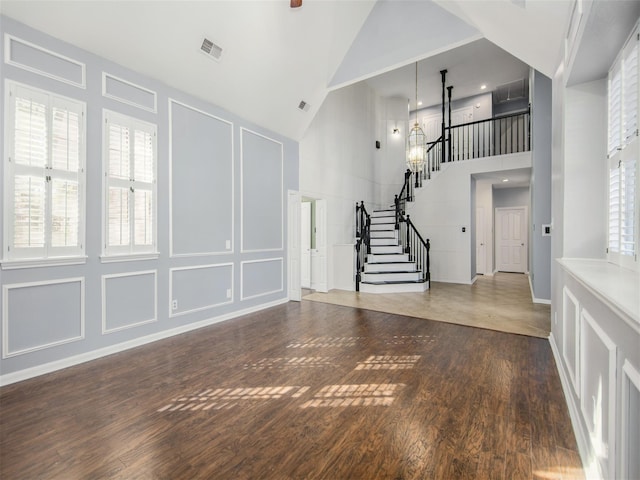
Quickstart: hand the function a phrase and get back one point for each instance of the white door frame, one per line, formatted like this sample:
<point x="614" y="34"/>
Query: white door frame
<point x="319" y="277"/>
<point x="481" y="242"/>
<point x="293" y="245"/>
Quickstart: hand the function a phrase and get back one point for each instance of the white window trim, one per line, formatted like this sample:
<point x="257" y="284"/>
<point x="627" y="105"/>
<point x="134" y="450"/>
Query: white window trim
<point x="48" y="255"/>
<point x="130" y="252"/>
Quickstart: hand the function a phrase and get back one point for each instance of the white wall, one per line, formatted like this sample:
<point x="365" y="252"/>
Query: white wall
<point x="585" y="169"/>
<point x="337" y="155"/>
<point x="443" y="207"/>
<point x="391" y="165"/>
<point x="482" y="107"/>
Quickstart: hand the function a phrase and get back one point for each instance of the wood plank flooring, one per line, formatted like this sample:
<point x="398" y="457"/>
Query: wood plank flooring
<point x="499" y="302"/>
<point x="300" y="391"/>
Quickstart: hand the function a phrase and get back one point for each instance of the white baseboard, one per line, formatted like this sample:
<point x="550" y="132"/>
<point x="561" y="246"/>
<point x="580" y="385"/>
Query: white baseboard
<point x="533" y="297"/>
<point x="27" y="373"/>
<point x="589" y="463"/>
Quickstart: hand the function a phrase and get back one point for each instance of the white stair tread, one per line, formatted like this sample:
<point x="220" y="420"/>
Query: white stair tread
<point x="397" y="287"/>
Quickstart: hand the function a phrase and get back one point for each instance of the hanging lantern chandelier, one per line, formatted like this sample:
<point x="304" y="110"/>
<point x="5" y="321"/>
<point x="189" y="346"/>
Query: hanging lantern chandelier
<point x="416" y="141"/>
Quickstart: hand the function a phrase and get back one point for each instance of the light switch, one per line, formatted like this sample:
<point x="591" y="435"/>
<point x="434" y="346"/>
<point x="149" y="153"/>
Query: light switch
<point x="228" y="244"/>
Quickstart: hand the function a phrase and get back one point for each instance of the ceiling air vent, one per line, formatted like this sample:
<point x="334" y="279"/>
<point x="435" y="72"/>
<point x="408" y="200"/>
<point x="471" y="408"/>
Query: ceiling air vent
<point x="211" y="49"/>
<point x="510" y="91"/>
<point x="304" y="106"/>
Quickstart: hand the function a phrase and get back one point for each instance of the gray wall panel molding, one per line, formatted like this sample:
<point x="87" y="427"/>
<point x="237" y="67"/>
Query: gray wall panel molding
<point x="202" y="179"/>
<point x="209" y="178"/>
<point x="128" y="92"/>
<point x="261" y="277"/>
<point x="200" y="287"/>
<point x="262" y="197"/>
<point x="40" y="315"/>
<point x="37" y="59"/>
<point x="129" y="300"/>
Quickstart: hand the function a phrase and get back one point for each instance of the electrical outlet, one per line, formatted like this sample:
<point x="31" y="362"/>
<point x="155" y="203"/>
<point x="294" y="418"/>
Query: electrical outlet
<point x="228" y="293"/>
<point x="174" y="304"/>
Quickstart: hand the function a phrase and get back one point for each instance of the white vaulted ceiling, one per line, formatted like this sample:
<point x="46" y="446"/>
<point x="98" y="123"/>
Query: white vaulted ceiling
<point x="274" y="56"/>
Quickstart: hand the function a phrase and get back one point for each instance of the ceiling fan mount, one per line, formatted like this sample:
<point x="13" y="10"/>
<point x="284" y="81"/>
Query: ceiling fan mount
<point x="296" y="3"/>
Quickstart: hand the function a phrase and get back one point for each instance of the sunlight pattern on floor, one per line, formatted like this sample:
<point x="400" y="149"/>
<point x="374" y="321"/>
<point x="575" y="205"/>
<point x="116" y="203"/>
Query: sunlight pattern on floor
<point x="409" y="339"/>
<point x="367" y="394"/>
<point x="326" y="342"/>
<point x="225" y="398"/>
<point x="388" y="362"/>
<point x="292" y="362"/>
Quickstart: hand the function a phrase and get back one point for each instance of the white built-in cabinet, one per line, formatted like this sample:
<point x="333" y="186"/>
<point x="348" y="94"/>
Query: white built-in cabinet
<point x="596" y="342"/>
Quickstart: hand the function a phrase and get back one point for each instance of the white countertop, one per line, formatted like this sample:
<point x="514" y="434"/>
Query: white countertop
<point x="616" y="286"/>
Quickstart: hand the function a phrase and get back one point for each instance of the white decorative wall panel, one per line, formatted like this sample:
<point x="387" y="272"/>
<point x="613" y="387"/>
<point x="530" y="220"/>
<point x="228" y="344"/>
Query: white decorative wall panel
<point x="200" y="287"/>
<point x="129" y="300"/>
<point x="42" y="61"/>
<point x="598" y="389"/>
<point x="261" y="277"/>
<point x="40" y="315"/>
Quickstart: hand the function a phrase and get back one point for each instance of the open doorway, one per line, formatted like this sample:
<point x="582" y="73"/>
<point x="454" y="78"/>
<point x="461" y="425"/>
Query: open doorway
<point x="313" y="233"/>
<point x="307" y="236"/>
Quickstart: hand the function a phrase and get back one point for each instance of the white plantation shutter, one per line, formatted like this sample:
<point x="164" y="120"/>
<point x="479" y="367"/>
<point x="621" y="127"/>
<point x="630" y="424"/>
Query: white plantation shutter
<point x="630" y="91"/>
<point x="118" y="217"/>
<point x="627" y="207"/>
<point x="65" y="210"/>
<point x="44" y="216"/>
<point x="624" y="153"/>
<point x="130" y="170"/>
<point x="615" y="110"/>
<point x="30" y="141"/>
<point x="29" y="211"/>
<point x="614" y="208"/>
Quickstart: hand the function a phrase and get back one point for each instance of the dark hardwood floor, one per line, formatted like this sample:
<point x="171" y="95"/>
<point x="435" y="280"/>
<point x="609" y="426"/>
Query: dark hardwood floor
<point x="300" y="391"/>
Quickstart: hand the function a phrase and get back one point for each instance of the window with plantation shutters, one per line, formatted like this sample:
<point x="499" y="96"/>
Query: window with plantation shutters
<point x="130" y="185"/>
<point x="615" y="110"/>
<point x="624" y="156"/>
<point x="44" y="176"/>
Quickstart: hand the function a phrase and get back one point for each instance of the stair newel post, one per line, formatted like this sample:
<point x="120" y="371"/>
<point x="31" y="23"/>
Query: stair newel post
<point x="367" y="235"/>
<point x="428" y="269"/>
<point x="358" y="266"/>
<point x="449" y="138"/>
<point x="396" y="202"/>
<point x="408" y="238"/>
<point x="443" y="73"/>
<point x="408" y="186"/>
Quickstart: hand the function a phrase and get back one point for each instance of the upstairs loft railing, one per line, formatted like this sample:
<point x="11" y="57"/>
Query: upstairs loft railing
<point x="485" y="138"/>
<point x="363" y="240"/>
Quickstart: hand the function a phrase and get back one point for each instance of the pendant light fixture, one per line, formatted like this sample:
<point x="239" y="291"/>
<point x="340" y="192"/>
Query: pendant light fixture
<point x="416" y="141"/>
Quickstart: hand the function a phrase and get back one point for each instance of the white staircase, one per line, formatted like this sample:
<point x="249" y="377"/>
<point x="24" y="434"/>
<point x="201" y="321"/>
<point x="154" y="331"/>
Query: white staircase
<point x="388" y="269"/>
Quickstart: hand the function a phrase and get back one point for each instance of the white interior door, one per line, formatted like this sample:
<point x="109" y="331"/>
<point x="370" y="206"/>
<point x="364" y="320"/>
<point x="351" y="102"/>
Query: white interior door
<point x="432" y="126"/>
<point x="481" y="244"/>
<point x="511" y="239"/>
<point x="319" y="256"/>
<point x="293" y="237"/>
<point x="305" y="244"/>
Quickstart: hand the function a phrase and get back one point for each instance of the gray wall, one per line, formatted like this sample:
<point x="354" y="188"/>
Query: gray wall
<point x="221" y="224"/>
<point x="511" y="197"/>
<point x="541" y="185"/>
